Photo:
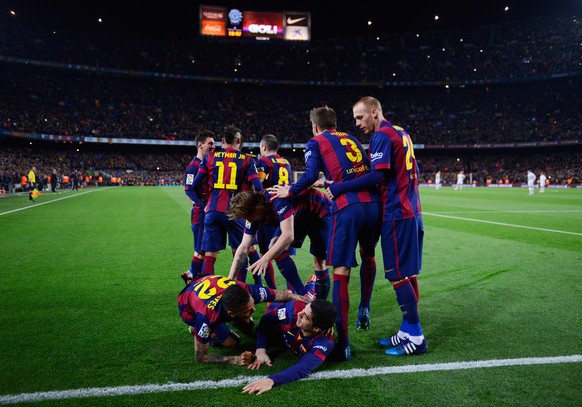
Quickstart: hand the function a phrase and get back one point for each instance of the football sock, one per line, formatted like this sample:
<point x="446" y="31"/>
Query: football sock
<point x="322" y="284"/>
<point x="367" y="277"/>
<point x="242" y="272"/>
<point x="408" y="306"/>
<point x="253" y="257"/>
<point x="414" y="282"/>
<point x="208" y="265"/>
<point x="196" y="266"/>
<point x="270" y="277"/>
<point x="289" y="270"/>
<point x="341" y="300"/>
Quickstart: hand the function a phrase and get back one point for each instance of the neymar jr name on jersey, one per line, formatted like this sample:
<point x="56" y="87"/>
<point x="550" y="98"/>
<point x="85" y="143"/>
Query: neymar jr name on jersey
<point x="229" y="154"/>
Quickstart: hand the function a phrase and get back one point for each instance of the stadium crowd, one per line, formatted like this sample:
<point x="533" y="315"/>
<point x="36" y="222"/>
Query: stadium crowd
<point x="45" y="101"/>
<point x="166" y="168"/>
<point x="530" y="48"/>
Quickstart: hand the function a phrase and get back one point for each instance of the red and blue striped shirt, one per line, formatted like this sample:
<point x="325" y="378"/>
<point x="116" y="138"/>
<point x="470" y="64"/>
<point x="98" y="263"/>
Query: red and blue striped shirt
<point x="341" y="157"/>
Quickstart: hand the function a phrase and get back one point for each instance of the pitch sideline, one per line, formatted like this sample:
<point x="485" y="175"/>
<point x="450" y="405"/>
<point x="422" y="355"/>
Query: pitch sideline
<point x="53" y="200"/>
<point x="501" y="224"/>
<point x="240" y="381"/>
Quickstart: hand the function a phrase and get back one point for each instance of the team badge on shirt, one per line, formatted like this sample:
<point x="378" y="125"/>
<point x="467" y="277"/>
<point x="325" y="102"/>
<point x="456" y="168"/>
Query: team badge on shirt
<point x="247" y="224"/>
<point x="204" y="331"/>
<point x="189" y="179"/>
<point x="282" y="314"/>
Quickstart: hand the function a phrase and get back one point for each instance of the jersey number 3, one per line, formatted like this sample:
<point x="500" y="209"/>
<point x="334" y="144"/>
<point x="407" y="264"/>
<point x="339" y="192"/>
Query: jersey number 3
<point x="354" y="154"/>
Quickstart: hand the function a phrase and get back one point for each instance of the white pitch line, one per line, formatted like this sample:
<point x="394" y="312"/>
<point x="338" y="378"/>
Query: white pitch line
<point x="502" y="224"/>
<point x="51" y="201"/>
<point x="242" y="380"/>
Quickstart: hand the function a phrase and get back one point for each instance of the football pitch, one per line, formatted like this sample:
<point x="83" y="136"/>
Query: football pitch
<point x="88" y="311"/>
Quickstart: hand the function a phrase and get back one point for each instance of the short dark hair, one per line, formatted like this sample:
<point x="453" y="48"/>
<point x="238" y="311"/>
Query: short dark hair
<point x="235" y="297"/>
<point x="243" y="204"/>
<point x="203" y="135"/>
<point x="324" y="314"/>
<point x="271" y="142"/>
<point x="230" y="134"/>
<point x="324" y="117"/>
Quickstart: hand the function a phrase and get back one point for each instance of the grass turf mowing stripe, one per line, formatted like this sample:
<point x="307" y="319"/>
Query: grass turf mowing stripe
<point x="502" y="224"/>
<point x="334" y="374"/>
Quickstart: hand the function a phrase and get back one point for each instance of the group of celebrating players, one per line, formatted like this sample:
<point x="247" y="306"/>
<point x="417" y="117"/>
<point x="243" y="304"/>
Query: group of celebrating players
<point x="370" y="196"/>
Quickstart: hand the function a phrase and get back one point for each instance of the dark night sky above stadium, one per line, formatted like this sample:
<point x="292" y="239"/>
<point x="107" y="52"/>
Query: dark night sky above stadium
<point x="330" y="19"/>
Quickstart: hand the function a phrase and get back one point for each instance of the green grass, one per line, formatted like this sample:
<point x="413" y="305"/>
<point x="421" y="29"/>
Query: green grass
<point x="88" y="288"/>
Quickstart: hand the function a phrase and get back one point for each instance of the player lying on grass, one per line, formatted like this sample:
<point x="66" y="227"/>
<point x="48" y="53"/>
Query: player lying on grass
<point x="305" y="329"/>
<point x="209" y="303"/>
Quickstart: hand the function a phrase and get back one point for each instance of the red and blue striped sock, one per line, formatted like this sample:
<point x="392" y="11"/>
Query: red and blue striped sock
<point x="341" y="300"/>
<point x="367" y="277"/>
<point x="208" y="265"/>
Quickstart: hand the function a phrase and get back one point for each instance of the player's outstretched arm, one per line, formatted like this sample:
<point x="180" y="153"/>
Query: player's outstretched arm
<point x="202" y="356"/>
<point x="282" y="243"/>
<point x="284" y="296"/>
<point x="240" y="256"/>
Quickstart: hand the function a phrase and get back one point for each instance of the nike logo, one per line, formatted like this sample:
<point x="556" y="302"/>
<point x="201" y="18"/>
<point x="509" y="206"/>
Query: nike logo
<point x="292" y="21"/>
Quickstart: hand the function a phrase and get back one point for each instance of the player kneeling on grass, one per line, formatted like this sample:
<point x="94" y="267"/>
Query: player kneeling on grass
<point x="305" y="329"/>
<point x="208" y="303"/>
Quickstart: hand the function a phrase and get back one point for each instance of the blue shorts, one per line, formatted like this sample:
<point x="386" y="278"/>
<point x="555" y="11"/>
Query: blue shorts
<point x="318" y="231"/>
<point x="198" y="232"/>
<point x="216" y="227"/>
<point x="402" y="242"/>
<point x="356" y="223"/>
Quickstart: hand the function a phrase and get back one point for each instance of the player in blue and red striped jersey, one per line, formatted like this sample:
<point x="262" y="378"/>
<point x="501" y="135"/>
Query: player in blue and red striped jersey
<point x="342" y="157"/>
<point x="205" y="145"/>
<point x="206" y="305"/>
<point x="304" y="329"/>
<point x="273" y="170"/>
<point x="306" y="214"/>
<point x="394" y="168"/>
<point x="229" y="171"/>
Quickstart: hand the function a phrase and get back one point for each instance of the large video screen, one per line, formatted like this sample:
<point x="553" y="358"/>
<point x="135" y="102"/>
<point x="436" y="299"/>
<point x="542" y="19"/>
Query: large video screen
<point x="258" y="23"/>
<point x="262" y="25"/>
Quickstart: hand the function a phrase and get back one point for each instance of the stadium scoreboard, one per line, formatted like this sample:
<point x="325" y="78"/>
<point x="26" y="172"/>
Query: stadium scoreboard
<point x="260" y="25"/>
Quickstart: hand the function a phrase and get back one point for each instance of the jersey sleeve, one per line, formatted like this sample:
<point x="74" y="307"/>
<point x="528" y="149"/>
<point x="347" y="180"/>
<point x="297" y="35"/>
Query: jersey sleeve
<point x="262" y="169"/>
<point x="380" y="148"/>
<point x="284" y="208"/>
<point x="251" y="228"/>
<point x="308" y="363"/>
<point x="312" y="168"/>
<point x="261" y="294"/>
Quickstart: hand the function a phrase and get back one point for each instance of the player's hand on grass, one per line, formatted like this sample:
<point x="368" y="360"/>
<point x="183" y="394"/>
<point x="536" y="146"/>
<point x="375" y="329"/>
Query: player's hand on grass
<point x="261" y="359"/>
<point x="246" y="358"/>
<point x="259" y="387"/>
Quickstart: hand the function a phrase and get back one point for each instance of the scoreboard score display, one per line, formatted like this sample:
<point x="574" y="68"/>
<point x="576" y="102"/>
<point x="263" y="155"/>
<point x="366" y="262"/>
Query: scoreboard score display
<point x="261" y="25"/>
